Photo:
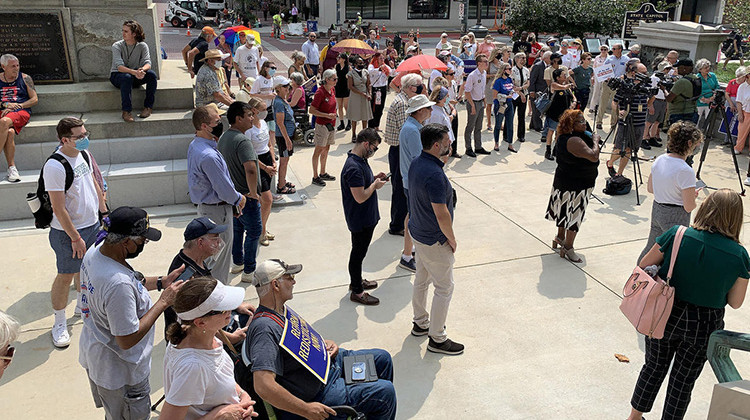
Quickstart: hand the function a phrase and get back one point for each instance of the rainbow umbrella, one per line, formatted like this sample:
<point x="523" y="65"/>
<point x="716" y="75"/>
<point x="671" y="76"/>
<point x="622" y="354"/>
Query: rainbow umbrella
<point x="353" y="46"/>
<point x="230" y="34"/>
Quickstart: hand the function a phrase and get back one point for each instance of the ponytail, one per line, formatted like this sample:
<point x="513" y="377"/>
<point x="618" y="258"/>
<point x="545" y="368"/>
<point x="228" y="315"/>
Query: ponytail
<point x="177" y="332"/>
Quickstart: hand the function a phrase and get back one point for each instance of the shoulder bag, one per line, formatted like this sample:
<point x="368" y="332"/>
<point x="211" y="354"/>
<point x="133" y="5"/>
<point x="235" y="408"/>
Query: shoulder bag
<point x="647" y="302"/>
<point x="543" y="102"/>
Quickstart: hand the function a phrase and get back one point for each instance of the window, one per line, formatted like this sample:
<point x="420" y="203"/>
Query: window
<point x="429" y="9"/>
<point x="369" y="9"/>
<point x="488" y="10"/>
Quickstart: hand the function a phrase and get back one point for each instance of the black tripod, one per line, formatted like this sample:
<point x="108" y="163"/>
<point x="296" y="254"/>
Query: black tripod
<point x="630" y="142"/>
<point x="710" y="123"/>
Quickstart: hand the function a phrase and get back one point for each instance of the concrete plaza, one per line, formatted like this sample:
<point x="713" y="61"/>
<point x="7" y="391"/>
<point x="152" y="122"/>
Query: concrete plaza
<point x="540" y="332"/>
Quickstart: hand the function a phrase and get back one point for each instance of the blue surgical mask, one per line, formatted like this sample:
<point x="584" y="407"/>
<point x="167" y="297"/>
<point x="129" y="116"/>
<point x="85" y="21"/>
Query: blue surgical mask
<point x="332" y="43"/>
<point x="271" y="72"/>
<point x="82" y="144"/>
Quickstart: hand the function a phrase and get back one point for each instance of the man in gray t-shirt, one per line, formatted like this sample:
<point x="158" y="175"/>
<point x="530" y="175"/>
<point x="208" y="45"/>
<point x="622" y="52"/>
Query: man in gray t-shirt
<point x="244" y="170"/>
<point x="131" y="68"/>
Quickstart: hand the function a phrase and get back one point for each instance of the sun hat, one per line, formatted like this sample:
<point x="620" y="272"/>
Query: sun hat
<point x="418" y="102"/>
<point x="664" y="65"/>
<point x="214" y="54"/>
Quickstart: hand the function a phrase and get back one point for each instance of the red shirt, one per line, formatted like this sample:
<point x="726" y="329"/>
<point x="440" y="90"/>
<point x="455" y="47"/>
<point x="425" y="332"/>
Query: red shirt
<point x="324" y="102"/>
<point x="732" y="88"/>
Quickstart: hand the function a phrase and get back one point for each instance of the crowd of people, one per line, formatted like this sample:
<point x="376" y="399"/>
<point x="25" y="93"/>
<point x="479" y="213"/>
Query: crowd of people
<point x="231" y="175"/>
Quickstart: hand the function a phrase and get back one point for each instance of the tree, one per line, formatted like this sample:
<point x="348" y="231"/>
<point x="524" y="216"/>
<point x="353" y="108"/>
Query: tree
<point x="737" y="12"/>
<point x="573" y="17"/>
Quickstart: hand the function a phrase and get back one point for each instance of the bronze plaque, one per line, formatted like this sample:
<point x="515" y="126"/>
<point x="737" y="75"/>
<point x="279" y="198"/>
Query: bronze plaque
<point x="38" y="40"/>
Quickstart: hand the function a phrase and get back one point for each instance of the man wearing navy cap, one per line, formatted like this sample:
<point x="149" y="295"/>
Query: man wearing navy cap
<point x="118" y="315"/>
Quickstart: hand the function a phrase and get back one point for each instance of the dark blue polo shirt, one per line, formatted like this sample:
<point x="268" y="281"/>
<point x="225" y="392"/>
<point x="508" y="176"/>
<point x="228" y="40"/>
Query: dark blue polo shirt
<point x="357" y="173"/>
<point x="427" y="184"/>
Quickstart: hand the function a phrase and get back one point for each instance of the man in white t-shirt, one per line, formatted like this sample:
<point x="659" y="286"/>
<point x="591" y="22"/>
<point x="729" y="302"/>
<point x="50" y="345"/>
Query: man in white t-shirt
<point x="247" y="59"/>
<point x="118" y="316"/>
<point x="75" y="218"/>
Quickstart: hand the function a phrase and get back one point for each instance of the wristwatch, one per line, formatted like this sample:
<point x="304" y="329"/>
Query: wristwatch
<point x="158" y="283"/>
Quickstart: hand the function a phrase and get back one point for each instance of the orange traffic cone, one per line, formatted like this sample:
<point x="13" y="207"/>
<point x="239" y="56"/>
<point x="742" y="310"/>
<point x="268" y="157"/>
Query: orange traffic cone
<point x="273" y="34"/>
<point x="282" y="35"/>
<point x="188" y="31"/>
<point x="383" y="30"/>
<point x="162" y="24"/>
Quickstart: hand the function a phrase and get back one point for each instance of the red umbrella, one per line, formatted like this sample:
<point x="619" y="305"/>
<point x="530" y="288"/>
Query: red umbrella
<point x="421" y="62"/>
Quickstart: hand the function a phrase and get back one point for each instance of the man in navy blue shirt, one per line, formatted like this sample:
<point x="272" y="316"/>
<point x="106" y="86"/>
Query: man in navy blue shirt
<point x="431" y="226"/>
<point x="360" y="198"/>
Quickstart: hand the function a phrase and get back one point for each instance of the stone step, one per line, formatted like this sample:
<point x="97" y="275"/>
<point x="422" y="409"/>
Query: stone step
<point x="174" y="91"/>
<point x="141" y="184"/>
<point x="109" y="124"/>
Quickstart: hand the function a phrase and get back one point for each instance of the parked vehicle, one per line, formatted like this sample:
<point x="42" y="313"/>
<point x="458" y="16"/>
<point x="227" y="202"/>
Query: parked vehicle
<point x="213" y="7"/>
<point x="186" y="13"/>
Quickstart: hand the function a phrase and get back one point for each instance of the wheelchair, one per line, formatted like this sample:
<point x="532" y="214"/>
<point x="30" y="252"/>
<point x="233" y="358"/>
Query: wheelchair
<point x="305" y="131"/>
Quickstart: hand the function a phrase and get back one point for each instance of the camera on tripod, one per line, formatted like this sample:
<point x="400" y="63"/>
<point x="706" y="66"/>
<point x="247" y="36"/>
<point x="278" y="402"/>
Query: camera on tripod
<point x="719" y="98"/>
<point x="627" y="88"/>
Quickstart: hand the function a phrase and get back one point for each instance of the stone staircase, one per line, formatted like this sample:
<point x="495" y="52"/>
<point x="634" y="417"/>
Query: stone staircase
<point x="144" y="162"/>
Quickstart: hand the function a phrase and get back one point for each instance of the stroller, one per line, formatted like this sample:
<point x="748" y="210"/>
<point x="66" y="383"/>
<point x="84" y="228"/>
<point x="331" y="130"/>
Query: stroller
<point x="305" y="131"/>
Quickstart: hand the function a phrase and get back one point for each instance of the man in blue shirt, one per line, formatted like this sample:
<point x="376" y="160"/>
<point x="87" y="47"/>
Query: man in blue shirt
<point x="360" y="198"/>
<point x="419" y="111"/>
<point x="431" y="226"/>
<point x="618" y="63"/>
<point x="209" y="183"/>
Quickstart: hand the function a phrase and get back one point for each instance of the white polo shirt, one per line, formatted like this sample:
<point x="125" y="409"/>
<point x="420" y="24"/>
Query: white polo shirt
<point x="476" y="81"/>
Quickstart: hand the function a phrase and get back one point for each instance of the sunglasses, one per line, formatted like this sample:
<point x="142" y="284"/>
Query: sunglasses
<point x="9" y="354"/>
<point x="212" y="313"/>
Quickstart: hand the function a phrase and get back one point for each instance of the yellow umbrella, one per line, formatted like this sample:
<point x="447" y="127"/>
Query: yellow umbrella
<point x="353" y="46"/>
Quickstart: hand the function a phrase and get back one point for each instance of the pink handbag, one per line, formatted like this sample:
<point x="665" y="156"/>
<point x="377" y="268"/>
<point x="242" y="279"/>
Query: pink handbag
<point x="647" y="302"/>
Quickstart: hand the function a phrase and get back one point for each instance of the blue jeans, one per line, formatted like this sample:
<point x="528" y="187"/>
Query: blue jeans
<point x="508" y="116"/>
<point x="126" y="82"/>
<point x="249" y="222"/>
<point x="673" y="118"/>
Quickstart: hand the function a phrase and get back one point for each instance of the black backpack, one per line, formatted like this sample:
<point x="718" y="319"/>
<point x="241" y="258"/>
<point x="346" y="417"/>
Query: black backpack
<point x="697" y="86"/>
<point x="43" y="216"/>
<point x="618" y="185"/>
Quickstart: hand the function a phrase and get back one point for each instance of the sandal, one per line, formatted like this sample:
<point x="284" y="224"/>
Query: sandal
<point x="512" y="150"/>
<point x="290" y="185"/>
<point x="270" y="236"/>
<point x="570" y="254"/>
<point x="264" y="241"/>
<point x="286" y="190"/>
<point x="557" y="241"/>
<point x="496" y="148"/>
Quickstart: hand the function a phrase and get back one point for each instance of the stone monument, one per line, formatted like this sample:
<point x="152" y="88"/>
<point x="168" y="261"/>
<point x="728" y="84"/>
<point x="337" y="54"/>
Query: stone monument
<point x="691" y="40"/>
<point x="60" y="41"/>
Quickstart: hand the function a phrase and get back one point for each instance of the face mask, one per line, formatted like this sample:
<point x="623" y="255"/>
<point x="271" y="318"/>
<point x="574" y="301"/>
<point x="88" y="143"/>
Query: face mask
<point x="271" y="72"/>
<point x="218" y="130"/>
<point x="420" y="88"/>
<point x="82" y="144"/>
<point x="360" y="67"/>
<point x="138" y="250"/>
<point x="331" y="44"/>
<point x="217" y="247"/>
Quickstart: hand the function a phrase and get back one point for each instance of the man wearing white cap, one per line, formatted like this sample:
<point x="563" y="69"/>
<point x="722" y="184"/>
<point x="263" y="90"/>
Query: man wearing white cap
<point x="118" y="316"/>
<point x="208" y="87"/>
<point x="247" y="59"/>
<point x="290" y="386"/>
<point x="419" y="111"/>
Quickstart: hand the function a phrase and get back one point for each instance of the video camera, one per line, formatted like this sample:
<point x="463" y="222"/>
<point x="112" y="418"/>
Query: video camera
<point x="665" y="81"/>
<point x="627" y="88"/>
<point x="719" y="98"/>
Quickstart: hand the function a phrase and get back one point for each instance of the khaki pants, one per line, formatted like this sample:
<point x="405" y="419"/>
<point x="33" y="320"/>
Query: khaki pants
<point x="221" y="214"/>
<point x="605" y="105"/>
<point x="434" y="265"/>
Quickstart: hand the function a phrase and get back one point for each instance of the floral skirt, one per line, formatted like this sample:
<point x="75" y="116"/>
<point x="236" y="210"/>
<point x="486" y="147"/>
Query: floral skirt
<point x="567" y="208"/>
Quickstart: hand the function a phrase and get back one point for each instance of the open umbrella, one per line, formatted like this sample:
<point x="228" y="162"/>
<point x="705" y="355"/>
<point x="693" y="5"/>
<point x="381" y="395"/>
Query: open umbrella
<point x="230" y="34"/>
<point x="353" y="46"/>
<point x="421" y="62"/>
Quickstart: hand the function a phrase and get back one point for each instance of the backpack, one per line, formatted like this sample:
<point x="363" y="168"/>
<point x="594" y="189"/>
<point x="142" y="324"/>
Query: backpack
<point x="697" y="87"/>
<point x="43" y="215"/>
<point x="618" y="185"/>
<point x="727" y="44"/>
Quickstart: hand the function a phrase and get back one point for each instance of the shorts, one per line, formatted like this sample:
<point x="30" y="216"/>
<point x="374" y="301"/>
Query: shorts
<point x="271" y="125"/>
<point x="132" y="402"/>
<point x="323" y="137"/>
<point x="20" y="118"/>
<point x="620" y="136"/>
<point x="61" y="244"/>
<point x="281" y="145"/>
<point x="660" y="111"/>
<point x="549" y="124"/>
<point x="265" y="179"/>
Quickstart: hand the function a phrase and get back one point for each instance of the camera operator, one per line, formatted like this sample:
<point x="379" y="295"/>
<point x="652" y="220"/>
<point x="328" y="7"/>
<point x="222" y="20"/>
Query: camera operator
<point x="633" y="92"/>
<point x="681" y="100"/>
<point x="661" y="83"/>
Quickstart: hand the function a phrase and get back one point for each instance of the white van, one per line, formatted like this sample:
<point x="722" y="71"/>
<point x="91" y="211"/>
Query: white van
<point x="213" y="7"/>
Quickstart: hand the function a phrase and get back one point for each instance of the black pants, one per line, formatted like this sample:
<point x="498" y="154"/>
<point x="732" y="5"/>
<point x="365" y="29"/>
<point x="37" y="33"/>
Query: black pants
<point x="360" y="243"/>
<point x="536" y="116"/>
<point x="520" y="107"/>
<point x="377" y="110"/>
<point x="582" y="96"/>
<point x="454" y="128"/>
<point x="398" y="199"/>
<point x="686" y="341"/>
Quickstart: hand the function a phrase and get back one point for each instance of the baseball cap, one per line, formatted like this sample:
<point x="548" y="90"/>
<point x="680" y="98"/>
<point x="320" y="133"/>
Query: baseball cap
<point x="250" y="39"/>
<point x="280" y="81"/>
<point x="664" y="65"/>
<point x="208" y="30"/>
<point x="222" y="298"/>
<point x="684" y="62"/>
<point x="270" y="270"/>
<point x="132" y="221"/>
<point x="202" y="226"/>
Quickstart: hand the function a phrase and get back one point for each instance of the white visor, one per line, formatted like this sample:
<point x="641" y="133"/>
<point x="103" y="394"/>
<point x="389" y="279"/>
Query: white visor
<point x="222" y="298"/>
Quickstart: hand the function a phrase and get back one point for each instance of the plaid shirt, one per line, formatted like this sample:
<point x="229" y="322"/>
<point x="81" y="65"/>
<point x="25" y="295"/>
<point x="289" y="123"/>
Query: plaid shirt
<point x="396" y="119"/>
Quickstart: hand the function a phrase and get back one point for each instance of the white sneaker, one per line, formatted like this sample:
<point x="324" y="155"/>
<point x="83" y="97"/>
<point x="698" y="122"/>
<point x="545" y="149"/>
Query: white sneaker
<point x="60" y="336"/>
<point x="13" y="174"/>
<point x="236" y="268"/>
<point x="747" y="181"/>
<point x="248" y="277"/>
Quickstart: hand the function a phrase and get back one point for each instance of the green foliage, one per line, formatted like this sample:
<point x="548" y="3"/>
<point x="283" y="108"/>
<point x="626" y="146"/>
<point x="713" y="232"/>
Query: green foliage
<point x="573" y="17"/>
<point x="737" y="12"/>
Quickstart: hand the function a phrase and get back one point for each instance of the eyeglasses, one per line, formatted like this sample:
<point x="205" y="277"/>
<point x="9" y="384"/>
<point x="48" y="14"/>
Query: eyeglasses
<point x="375" y="148"/>
<point x="84" y="135"/>
<point x="9" y="354"/>
<point x="212" y="313"/>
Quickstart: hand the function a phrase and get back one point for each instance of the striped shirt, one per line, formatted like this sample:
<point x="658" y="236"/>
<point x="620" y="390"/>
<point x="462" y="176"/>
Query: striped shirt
<point x="638" y="108"/>
<point x="396" y="118"/>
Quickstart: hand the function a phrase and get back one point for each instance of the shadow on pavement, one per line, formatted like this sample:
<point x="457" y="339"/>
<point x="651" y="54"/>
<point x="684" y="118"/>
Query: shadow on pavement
<point x="30" y="355"/>
<point x="414" y="374"/>
<point x="556" y="286"/>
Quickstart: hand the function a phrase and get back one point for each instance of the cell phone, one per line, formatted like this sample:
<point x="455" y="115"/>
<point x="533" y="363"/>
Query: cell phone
<point x="387" y="176"/>
<point x="187" y="274"/>
<point x="235" y="211"/>
<point x="359" y="371"/>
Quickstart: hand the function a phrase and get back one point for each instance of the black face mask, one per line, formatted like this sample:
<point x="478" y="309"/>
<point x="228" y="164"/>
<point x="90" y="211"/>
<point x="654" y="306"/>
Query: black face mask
<point x="218" y="130"/>
<point x="138" y="250"/>
<point x="420" y="88"/>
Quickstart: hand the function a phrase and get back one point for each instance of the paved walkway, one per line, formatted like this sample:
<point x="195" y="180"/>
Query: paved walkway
<point x="540" y="332"/>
